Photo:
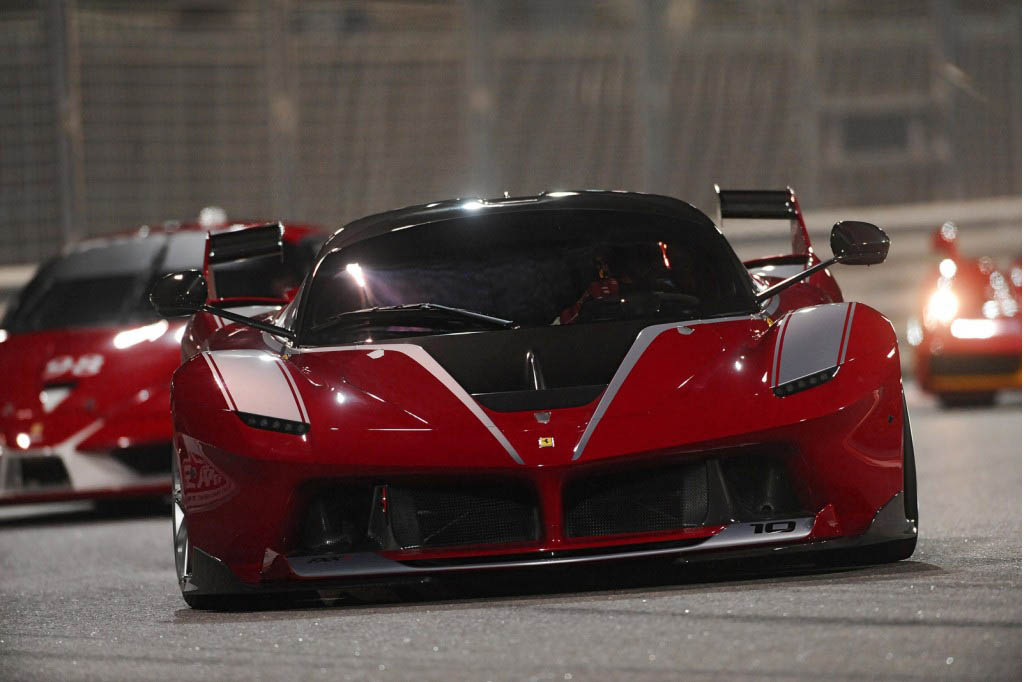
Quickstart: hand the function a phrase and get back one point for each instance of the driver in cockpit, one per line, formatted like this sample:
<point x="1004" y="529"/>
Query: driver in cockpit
<point x="636" y="277"/>
<point x="605" y="286"/>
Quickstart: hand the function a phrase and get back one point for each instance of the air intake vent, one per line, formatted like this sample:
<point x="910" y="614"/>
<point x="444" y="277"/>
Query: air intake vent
<point x="439" y="516"/>
<point x="634" y="502"/>
<point x="760" y="487"/>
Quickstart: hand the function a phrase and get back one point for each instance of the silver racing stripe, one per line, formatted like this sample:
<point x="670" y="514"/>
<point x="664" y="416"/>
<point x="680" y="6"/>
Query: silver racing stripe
<point x="811" y="340"/>
<point x="258" y="383"/>
<point x="636" y="351"/>
<point x="218" y="380"/>
<point x="295" y="390"/>
<point x="847" y="332"/>
<point x="778" y="347"/>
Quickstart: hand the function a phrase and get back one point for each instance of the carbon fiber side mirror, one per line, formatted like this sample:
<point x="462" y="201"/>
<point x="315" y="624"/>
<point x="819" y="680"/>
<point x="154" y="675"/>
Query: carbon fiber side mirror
<point x="857" y="243"/>
<point x="179" y="293"/>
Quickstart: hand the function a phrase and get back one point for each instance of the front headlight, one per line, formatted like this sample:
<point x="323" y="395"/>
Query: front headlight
<point x="942" y="307"/>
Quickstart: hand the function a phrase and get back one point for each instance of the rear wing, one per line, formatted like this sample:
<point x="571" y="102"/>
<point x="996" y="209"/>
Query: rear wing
<point x="249" y="242"/>
<point x="766" y="204"/>
<point x="236" y="245"/>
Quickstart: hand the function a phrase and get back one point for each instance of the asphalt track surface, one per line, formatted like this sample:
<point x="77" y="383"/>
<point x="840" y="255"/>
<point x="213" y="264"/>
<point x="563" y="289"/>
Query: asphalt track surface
<point x="91" y="596"/>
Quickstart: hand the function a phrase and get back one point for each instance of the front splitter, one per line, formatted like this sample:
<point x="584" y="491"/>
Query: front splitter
<point x="358" y="564"/>
<point x="777" y="538"/>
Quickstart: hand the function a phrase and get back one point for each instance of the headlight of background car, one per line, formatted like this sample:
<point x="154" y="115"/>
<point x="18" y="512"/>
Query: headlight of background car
<point x="941" y="308"/>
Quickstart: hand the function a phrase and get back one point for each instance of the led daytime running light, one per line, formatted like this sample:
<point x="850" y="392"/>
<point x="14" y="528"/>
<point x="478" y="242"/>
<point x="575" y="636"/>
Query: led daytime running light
<point x="259" y="421"/>
<point x="805" y="382"/>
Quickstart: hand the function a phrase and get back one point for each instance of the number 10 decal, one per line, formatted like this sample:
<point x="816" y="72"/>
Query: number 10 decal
<point x="774" y="527"/>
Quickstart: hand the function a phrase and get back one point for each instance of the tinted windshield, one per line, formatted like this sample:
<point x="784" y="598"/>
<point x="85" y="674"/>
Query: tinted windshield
<point x="103" y="284"/>
<point x="82" y="302"/>
<point x="533" y="268"/>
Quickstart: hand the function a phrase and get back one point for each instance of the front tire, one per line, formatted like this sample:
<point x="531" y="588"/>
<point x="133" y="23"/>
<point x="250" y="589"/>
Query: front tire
<point x="179" y="533"/>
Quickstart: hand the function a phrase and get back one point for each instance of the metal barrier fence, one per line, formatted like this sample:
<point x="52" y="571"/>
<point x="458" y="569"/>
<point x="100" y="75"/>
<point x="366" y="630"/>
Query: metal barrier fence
<point x="115" y="113"/>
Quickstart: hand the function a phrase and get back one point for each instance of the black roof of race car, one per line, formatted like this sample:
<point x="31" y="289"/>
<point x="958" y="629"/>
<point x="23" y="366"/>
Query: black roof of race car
<point x="421" y="214"/>
<point x="178" y="245"/>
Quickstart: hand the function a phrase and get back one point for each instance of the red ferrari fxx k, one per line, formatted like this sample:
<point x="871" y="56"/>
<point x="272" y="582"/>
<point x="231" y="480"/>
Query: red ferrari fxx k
<point x="967" y="332"/>
<point x="86" y="364"/>
<point x="570" y="378"/>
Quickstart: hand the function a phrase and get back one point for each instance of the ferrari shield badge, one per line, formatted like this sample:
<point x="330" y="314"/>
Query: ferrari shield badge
<point x="546" y="442"/>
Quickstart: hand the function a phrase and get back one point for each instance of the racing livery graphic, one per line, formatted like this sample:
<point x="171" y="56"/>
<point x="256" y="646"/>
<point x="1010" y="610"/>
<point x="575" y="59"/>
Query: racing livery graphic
<point x="85" y="405"/>
<point x="569" y="378"/>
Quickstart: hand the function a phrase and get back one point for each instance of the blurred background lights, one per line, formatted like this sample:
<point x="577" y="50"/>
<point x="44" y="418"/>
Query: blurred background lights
<point x="947" y="268"/>
<point x="973" y="329"/>
<point x="942" y="306"/>
<point x="131" y="337"/>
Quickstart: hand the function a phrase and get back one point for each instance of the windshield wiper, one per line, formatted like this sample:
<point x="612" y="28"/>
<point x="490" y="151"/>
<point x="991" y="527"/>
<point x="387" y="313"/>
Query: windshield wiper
<point x="410" y="310"/>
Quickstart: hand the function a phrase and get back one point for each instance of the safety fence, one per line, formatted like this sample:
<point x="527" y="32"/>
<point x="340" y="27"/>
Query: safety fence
<point x="117" y="113"/>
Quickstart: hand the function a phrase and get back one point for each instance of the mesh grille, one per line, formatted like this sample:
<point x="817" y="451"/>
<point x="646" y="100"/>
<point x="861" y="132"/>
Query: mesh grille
<point x="656" y="499"/>
<point x="436" y="516"/>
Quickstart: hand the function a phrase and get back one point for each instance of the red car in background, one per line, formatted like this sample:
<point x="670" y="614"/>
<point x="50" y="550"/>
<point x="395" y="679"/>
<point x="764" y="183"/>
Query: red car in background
<point x="86" y="364"/>
<point x="967" y="332"/>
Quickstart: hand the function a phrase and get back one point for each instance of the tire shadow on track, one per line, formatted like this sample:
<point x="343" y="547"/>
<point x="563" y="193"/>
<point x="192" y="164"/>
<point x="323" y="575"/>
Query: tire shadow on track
<point x="68" y="513"/>
<point x="526" y="588"/>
